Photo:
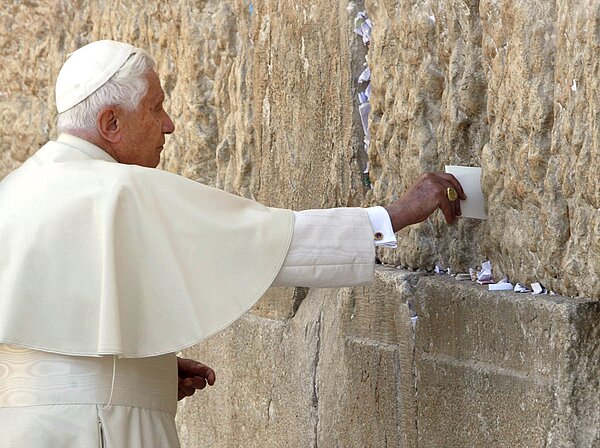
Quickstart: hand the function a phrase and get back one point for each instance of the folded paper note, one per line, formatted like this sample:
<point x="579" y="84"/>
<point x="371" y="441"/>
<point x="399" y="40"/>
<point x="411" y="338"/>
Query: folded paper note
<point x="470" y="179"/>
<point x="485" y="276"/>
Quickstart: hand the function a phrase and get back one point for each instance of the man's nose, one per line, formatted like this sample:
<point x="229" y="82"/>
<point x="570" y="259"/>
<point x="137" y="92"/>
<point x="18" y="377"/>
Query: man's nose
<point x="168" y="125"/>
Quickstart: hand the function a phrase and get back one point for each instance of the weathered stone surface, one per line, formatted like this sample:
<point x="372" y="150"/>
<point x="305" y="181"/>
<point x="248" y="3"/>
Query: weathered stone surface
<point x="333" y="374"/>
<point x="429" y="109"/>
<point x="348" y="369"/>
<point x="509" y="86"/>
<point x="262" y="96"/>
<point x="258" y="112"/>
<point x="504" y="369"/>
<point x="265" y="386"/>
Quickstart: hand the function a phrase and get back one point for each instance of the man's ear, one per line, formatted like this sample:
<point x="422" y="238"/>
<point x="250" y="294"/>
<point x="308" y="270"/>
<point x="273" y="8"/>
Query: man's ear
<point x="108" y="125"/>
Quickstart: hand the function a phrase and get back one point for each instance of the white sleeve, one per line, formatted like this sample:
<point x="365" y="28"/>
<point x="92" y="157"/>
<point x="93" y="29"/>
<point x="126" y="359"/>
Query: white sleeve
<point x="330" y="248"/>
<point x="383" y="232"/>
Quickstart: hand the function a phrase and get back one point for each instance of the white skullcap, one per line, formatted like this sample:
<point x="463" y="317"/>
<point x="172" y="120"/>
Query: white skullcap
<point x="87" y="69"/>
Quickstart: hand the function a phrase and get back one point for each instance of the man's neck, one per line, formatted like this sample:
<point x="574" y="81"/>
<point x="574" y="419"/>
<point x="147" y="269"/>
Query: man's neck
<point x="94" y="138"/>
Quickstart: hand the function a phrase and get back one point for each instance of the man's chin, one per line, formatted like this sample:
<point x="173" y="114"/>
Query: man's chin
<point x="157" y="160"/>
<point x="150" y="163"/>
<point x="154" y="163"/>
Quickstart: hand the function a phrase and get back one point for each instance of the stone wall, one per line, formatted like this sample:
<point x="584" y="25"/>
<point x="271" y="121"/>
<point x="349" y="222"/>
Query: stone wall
<point x="349" y="368"/>
<point x="509" y="86"/>
<point x="263" y="95"/>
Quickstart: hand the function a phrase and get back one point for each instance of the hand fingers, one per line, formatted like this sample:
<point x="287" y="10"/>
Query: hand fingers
<point x="454" y="184"/>
<point x="457" y="211"/>
<point x="210" y="376"/>
<point x="426" y="195"/>
<point x="188" y="368"/>
<point x="195" y="382"/>
<point x="183" y="392"/>
<point x="187" y="387"/>
<point x="193" y="376"/>
<point x="447" y="209"/>
<point x="455" y="207"/>
<point x="450" y="209"/>
<point x="449" y="181"/>
<point x="203" y="371"/>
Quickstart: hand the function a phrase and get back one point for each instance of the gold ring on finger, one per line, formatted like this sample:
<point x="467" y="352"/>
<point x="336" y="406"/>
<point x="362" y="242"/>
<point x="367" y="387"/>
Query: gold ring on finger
<point x="451" y="194"/>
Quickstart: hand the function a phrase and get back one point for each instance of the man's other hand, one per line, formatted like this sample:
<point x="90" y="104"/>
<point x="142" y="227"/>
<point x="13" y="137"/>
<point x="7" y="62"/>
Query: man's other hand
<point x="426" y="195"/>
<point x="193" y="376"/>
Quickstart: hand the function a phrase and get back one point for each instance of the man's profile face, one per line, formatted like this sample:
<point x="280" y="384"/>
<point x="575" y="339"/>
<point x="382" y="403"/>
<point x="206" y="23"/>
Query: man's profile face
<point x="144" y="128"/>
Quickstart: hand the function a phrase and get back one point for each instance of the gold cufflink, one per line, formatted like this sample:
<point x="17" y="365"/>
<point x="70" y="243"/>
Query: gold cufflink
<point x="378" y="236"/>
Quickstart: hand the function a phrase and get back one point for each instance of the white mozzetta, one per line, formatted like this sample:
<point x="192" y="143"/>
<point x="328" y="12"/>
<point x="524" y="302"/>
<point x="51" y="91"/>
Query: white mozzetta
<point x="100" y="257"/>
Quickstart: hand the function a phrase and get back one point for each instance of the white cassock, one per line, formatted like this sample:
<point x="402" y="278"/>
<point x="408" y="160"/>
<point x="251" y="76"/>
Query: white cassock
<point x="107" y="270"/>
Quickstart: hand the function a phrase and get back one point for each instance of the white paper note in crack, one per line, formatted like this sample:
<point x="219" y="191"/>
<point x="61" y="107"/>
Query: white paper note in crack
<point x="470" y="179"/>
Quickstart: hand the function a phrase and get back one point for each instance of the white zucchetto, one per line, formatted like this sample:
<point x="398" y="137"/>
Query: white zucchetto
<point x="87" y="69"/>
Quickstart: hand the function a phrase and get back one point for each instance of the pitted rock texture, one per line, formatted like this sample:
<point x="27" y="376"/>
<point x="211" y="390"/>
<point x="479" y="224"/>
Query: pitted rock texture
<point x="509" y="86"/>
<point x="263" y="97"/>
<point x="354" y="368"/>
<point x="259" y="112"/>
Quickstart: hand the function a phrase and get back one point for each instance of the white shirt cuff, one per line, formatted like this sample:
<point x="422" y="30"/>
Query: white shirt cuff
<point x="383" y="233"/>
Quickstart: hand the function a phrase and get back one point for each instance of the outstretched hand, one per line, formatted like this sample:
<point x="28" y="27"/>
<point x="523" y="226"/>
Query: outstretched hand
<point x="426" y="195"/>
<point x="193" y="376"/>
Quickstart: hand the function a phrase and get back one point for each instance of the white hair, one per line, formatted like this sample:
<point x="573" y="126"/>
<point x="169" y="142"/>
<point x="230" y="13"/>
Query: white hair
<point x="125" y="88"/>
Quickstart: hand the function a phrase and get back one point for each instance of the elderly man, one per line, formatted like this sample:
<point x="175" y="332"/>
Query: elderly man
<point x="109" y="266"/>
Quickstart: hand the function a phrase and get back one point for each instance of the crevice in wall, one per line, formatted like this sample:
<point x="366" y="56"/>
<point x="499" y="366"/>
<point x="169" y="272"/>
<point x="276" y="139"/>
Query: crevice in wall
<point x="315" y="378"/>
<point x="413" y="356"/>
<point x="300" y="294"/>
<point x="399" y="394"/>
<point x="361" y="87"/>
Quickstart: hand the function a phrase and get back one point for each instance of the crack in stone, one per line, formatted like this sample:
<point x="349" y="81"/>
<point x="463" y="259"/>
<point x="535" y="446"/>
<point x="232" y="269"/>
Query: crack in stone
<point x="315" y="395"/>
<point x="415" y="388"/>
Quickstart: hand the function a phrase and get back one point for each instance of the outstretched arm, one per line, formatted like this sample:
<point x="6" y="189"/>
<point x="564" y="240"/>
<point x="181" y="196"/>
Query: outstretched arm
<point x="335" y="247"/>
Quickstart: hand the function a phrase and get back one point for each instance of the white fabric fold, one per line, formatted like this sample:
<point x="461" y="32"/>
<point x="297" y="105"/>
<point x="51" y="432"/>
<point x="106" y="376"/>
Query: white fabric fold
<point x="49" y="400"/>
<point x="104" y="258"/>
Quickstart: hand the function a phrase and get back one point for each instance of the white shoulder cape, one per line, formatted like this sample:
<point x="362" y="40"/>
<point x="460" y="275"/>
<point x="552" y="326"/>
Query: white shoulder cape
<point x="97" y="257"/>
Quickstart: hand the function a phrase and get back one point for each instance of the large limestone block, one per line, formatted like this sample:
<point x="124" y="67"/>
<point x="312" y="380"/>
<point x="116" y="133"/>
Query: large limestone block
<point x="305" y="122"/>
<point x="330" y="374"/>
<point x="367" y="381"/>
<point x="428" y="110"/>
<point x="503" y="369"/>
<point x="264" y="390"/>
<point x="482" y="408"/>
<point x="542" y="167"/>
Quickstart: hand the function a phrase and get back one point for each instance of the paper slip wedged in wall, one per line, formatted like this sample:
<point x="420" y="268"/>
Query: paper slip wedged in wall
<point x="470" y="179"/>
